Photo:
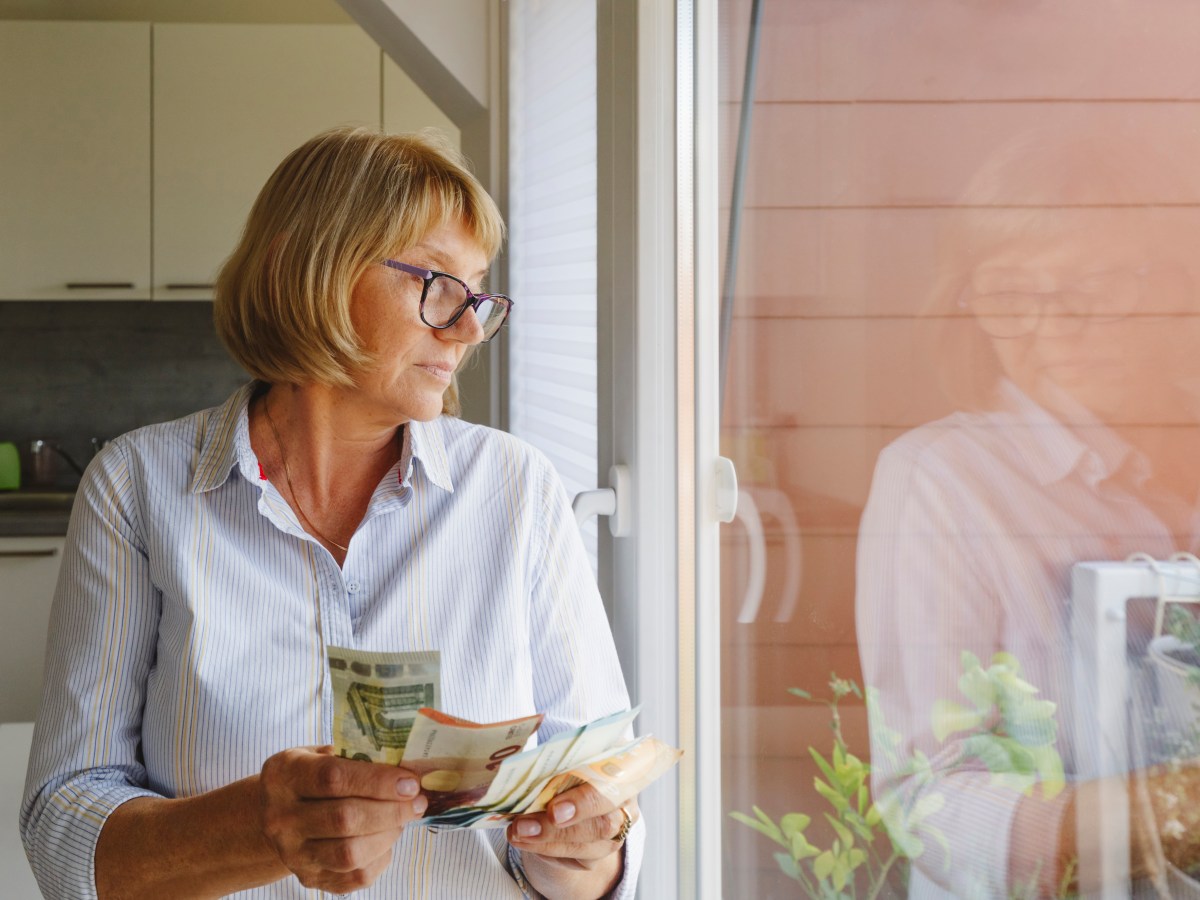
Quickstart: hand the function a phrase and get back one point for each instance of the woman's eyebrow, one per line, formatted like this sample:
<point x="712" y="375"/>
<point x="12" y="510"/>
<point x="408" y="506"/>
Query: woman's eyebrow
<point x="441" y="261"/>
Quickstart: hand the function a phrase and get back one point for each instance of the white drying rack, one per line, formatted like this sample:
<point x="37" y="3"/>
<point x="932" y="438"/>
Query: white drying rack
<point x="1103" y="699"/>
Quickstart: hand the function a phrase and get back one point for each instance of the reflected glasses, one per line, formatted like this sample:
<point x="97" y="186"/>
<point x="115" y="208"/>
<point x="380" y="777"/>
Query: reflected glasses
<point x="445" y="297"/>
<point x="1012" y="303"/>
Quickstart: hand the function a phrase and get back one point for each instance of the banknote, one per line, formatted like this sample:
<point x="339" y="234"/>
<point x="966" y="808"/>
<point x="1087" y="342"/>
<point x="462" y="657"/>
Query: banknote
<point x="376" y="697"/>
<point x="617" y="775"/>
<point x="456" y="760"/>
<point x="477" y="775"/>
<point x="599" y="752"/>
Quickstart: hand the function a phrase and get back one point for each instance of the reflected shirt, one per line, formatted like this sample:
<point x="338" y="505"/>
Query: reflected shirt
<point x="967" y="542"/>
<point x="189" y="628"/>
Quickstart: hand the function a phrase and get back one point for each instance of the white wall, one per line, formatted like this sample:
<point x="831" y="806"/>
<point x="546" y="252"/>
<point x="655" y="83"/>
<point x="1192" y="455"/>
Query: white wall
<point x="456" y="32"/>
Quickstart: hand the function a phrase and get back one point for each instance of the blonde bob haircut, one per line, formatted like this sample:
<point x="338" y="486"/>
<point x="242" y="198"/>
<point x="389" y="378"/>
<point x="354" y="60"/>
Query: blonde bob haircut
<point x="338" y="204"/>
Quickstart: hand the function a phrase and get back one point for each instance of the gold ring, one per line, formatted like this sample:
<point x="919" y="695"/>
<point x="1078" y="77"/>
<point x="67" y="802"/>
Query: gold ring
<point x="626" y="827"/>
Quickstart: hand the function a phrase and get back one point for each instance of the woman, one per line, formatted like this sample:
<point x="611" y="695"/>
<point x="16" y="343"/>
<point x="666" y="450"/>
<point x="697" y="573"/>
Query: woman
<point x="181" y="748"/>
<point x="1069" y="323"/>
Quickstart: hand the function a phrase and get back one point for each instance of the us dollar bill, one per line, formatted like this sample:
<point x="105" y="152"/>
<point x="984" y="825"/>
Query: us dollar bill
<point x="376" y="697"/>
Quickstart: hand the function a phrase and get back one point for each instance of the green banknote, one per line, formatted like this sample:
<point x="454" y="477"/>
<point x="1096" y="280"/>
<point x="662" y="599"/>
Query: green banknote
<point x="376" y="697"/>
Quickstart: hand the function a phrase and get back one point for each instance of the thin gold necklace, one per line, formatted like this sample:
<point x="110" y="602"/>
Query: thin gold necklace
<point x="287" y="474"/>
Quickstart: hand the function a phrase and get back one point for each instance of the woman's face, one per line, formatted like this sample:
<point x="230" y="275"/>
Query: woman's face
<point x="414" y="363"/>
<point x="1085" y="315"/>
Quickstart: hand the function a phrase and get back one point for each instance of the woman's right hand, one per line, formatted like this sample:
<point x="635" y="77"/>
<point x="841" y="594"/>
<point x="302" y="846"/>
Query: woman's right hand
<point x="334" y="821"/>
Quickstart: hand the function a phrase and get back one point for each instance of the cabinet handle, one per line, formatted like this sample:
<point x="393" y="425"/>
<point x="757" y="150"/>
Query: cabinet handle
<point x="100" y="285"/>
<point x="29" y="554"/>
<point x="190" y="286"/>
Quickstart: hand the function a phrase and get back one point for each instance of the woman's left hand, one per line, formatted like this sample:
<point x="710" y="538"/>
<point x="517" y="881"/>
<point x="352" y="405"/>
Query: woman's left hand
<point x="580" y="831"/>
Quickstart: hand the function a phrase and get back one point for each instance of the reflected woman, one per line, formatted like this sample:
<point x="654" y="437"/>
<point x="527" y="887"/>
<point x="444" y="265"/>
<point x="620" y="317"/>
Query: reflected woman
<point x="1067" y="329"/>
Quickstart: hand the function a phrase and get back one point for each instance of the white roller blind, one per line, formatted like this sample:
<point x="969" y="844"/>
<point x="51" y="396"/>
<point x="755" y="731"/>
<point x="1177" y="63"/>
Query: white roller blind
<point x="552" y="243"/>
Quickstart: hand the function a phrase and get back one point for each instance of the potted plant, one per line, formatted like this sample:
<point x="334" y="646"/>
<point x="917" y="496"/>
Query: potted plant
<point x="864" y="857"/>
<point x="1175" y="659"/>
<point x="1008" y="728"/>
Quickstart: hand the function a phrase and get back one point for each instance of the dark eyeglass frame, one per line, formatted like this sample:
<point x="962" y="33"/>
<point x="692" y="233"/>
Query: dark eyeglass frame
<point x="473" y="301"/>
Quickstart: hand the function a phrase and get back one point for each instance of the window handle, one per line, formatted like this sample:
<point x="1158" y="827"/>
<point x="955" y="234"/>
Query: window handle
<point x="610" y="501"/>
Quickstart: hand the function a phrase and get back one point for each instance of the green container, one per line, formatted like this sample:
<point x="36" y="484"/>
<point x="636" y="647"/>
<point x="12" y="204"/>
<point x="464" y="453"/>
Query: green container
<point x="10" y="467"/>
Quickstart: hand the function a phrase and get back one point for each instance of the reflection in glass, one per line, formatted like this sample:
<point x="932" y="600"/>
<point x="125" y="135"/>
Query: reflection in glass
<point x="1065" y="329"/>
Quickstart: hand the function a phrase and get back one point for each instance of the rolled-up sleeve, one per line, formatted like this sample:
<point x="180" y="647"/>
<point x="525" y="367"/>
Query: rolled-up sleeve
<point x="86" y="758"/>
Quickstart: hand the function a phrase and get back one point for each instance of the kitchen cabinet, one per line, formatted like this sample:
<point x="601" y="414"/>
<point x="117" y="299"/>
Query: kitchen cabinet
<point x="74" y="160"/>
<point x="230" y="101"/>
<point x="28" y="573"/>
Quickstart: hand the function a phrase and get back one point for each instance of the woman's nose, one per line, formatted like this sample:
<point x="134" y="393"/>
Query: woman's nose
<point x="1060" y="316"/>
<point x="467" y="329"/>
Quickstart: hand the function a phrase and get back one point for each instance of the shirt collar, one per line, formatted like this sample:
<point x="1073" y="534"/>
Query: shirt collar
<point x="425" y="442"/>
<point x="225" y="442"/>
<point x="1053" y="449"/>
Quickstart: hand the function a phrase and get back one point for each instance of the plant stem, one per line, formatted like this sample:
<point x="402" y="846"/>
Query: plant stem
<point x="882" y="879"/>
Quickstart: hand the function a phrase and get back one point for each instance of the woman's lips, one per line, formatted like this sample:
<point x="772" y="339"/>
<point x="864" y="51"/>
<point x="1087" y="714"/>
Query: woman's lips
<point x="440" y="371"/>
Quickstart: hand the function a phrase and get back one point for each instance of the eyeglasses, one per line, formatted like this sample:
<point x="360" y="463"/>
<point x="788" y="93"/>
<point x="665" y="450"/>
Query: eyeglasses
<point x="444" y="298"/>
<point x="1011" y="303"/>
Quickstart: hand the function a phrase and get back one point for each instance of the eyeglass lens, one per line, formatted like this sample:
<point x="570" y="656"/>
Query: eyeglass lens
<point x="447" y="295"/>
<point x="1008" y="306"/>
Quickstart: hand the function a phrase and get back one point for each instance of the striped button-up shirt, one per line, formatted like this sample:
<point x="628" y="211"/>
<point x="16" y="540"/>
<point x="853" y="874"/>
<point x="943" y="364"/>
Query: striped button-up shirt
<point x="188" y="634"/>
<point x="966" y="544"/>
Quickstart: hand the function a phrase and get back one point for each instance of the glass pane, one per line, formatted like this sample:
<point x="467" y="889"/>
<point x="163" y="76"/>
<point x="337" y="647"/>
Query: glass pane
<point x="963" y="356"/>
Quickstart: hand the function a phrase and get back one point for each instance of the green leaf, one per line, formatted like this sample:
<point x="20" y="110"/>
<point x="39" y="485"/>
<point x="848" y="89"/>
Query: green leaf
<point x="1032" y="732"/>
<point x="805" y="695"/>
<point x="788" y="866"/>
<point x="860" y="828"/>
<point x="874" y="816"/>
<point x="840" y="803"/>
<point x="801" y="848"/>
<point x="999" y="754"/>
<point x="1012" y="682"/>
<point x="794" y="823"/>
<point x="1007" y="660"/>
<point x="857" y="857"/>
<point x="841" y="872"/>
<point x="767" y="828"/>
<point x="1049" y="767"/>
<point x="950" y="717"/>
<point x="842" y="831"/>
<point x="823" y="864"/>
<point x="826" y="769"/>
<point x="977" y="687"/>
<point x="928" y="805"/>
<point x="906" y="843"/>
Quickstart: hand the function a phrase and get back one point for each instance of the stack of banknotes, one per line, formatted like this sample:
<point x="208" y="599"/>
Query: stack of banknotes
<point x="477" y="775"/>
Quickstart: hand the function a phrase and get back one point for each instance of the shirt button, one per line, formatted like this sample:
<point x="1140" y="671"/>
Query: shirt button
<point x="352" y="587"/>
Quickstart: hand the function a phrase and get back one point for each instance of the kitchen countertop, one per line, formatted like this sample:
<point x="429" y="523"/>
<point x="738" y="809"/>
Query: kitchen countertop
<point x="34" y="513"/>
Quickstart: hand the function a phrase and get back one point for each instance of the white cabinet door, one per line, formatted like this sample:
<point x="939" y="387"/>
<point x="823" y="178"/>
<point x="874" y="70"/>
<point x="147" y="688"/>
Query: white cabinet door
<point x="74" y="160"/>
<point x="230" y="101"/>
<point x="28" y="573"/>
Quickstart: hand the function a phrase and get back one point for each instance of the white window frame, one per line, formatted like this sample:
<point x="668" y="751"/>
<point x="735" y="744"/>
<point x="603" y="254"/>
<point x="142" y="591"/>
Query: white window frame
<point x="659" y="313"/>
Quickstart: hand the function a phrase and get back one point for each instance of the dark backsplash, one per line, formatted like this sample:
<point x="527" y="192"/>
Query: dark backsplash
<point x="72" y="371"/>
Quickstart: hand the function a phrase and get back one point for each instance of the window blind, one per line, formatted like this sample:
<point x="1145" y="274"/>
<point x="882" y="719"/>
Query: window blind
<point x="552" y="236"/>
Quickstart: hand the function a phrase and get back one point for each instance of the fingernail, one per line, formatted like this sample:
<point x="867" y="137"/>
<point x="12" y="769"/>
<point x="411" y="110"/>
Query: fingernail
<point x="563" y="812"/>
<point x="529" y="827"/>
<point x="420" y="805"/>
<point x="407" y="787"/>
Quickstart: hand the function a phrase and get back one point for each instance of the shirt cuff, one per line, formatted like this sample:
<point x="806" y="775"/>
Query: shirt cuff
<point x="626" y="888"/>
<point x="61" y="845"/>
